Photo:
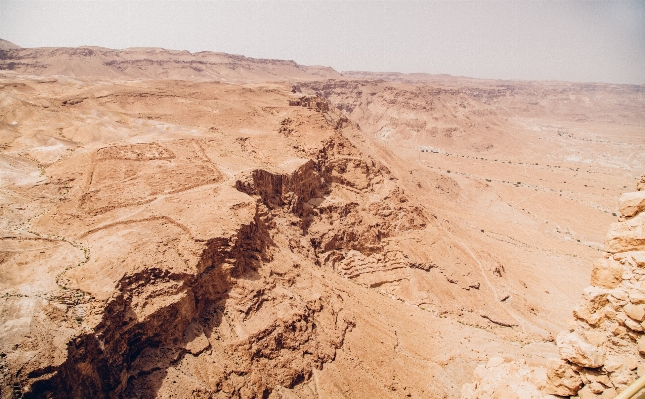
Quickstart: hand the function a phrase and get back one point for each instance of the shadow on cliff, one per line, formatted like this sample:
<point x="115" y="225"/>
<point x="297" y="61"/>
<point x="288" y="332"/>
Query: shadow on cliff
<point x="115" y="359"/>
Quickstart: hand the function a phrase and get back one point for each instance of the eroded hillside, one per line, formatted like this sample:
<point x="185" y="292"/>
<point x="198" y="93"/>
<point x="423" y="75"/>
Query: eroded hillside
<point x="512" y="165"/>
<point x="174" y="238"/>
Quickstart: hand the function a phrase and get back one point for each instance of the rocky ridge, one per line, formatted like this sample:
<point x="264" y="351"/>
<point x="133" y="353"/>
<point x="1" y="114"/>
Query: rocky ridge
<point x="152" y="63"/>
<point x="604" y="350"/>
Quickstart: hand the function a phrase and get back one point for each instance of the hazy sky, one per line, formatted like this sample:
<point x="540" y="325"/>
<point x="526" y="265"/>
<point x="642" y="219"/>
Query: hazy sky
<point x="601" y="41"/>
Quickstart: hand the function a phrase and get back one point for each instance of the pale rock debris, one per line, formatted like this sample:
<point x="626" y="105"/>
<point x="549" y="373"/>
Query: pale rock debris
<point x="636" y="312"/>
<point x="562" y="380"/>
<point x="507" y="379"/>
<point x="631" y="204"/>
<point x="575" y="349"/>
<point x="640" y="186"/>
<point x="641" y="345"/>
<point x="626" y="236"/>
<point x="606" y="273"/>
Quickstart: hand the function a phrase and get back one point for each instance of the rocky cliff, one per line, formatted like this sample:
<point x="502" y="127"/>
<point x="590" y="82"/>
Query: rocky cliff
<point x="222" y="259"/>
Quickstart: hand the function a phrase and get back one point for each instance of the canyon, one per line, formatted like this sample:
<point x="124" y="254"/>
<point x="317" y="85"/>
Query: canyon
<point x="211" y="225"/>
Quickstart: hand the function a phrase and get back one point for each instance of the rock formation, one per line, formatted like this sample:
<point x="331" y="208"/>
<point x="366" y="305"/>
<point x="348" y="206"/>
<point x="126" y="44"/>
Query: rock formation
<point x="211" y="225"/>
<point x="209" y="263"/>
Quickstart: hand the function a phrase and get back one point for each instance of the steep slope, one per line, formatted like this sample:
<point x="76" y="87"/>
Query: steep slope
<point x="602" y="352"/>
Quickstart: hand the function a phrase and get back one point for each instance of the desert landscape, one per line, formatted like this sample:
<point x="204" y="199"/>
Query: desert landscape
<point x="209" y="225"/>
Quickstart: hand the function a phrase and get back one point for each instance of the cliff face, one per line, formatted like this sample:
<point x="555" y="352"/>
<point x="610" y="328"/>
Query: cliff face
<point x="468" y="115"/>
<point x="193" y="274"/>
<point x="602" y="353"/>
<point x="153" y="63"/>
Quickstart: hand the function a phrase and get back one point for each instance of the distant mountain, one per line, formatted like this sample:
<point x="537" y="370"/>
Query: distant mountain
<point x="153" y="63"/>
<point x="399" y="77"/>
<point x="7" y="45"/>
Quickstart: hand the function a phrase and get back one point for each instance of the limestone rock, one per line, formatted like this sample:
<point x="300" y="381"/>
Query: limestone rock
<point x="640" y="368"/>
<point x="582" y="312"/>
<point x="603" y="379"/>
<point x="613" y="363"/>
<point x="631" y="204"/>
<point x="562" y="378"/>
<point x="623" y="376"/>
<point x="638" y="257"/>
<point x="587" y="393"/>
<point x="593" y="310"/>
<point x="595" y="297"/>
<point x="468" y="391"/>
<point x="632" y="325"/>
<point x="626" y="236"/>
<point x="574" y="349"/>
<point x="641" y="345"/>
<point x="606" y="273"/>
<point x="637" y="297"/>
<point x="196" y="339"/>
<point x="595" y="337"/>
<point x="636" y="312"/>
<point x="596" y="387"/>
<point x="619" y="293"/>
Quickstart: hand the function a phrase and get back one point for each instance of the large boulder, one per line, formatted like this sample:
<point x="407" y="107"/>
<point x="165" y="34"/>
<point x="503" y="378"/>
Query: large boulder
<point x="563" y="378"/>
<point x="575" y="349"/>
